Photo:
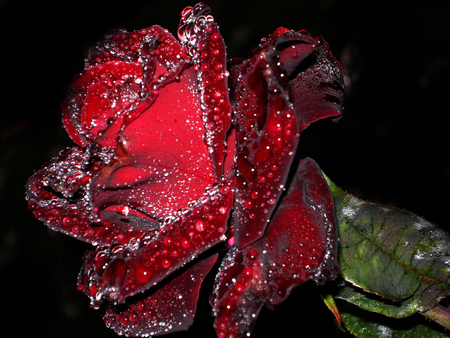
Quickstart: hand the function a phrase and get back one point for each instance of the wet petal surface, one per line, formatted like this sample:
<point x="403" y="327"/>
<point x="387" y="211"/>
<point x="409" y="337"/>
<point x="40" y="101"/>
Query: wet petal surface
<point x="169" y="309"/>
<point x="300" y="244"/>
<point x="115" y="273"/>
<point x="200" y="37"/>
<point x="181" y="155"/>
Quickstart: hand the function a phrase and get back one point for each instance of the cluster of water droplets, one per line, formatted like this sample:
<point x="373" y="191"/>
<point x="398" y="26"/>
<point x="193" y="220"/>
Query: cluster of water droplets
<point x="201" y="40"/>
<point x="121" y="270"/>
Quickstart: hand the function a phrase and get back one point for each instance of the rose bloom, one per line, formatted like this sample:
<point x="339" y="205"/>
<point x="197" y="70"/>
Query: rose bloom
<point x="182" y="156"/>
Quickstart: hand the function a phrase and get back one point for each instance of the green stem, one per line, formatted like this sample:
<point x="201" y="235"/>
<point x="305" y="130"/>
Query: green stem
<point x="440" y="315"/>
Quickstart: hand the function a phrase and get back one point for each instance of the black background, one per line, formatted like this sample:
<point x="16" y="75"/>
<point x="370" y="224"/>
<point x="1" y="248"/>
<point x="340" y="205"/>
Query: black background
<point x="391" y="146"/>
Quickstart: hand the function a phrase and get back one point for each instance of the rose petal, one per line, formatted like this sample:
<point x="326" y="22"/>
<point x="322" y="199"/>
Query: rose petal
<point x="58" y="195"/>
<point x="293" y="47"/>
<point x="162" y="162"/>
<point x="137" y="46"/>
<point x="99" y="96"/>
<point x="240" y="291"/>
<point x="168" y="309"/>
<point x="121" y="271"/>
<point x="200" y="36"/>
<point x="266" y="140"/>
<point x="301" y="240"/>
<point x="117" y="78"/>
<point x="317" y="87"/>
<point x="300" y="244"/>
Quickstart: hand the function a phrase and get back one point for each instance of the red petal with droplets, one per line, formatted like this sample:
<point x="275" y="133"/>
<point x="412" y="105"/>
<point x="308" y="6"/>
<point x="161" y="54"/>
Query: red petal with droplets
<point x="58" y="196"/>
<point x="124" y="270"/>
<point x="121" y="73"/>
<point x="301" y="240"/>
<point x="99" y="96"/>
<point x="163" y="163"/>
<point x="266" y="137"/>
<point x="169" y="309"/>
<point x="200" y="37"/>
<point x="293" y="47"/>
<point x="317" y="87"/>
<point x="240" y="291"/>
<point x="157" y="179"/>
<point x="300" y="244"/>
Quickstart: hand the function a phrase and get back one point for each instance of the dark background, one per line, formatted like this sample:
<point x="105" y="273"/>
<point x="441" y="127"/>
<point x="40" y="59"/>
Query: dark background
<point x="391" y="146"/>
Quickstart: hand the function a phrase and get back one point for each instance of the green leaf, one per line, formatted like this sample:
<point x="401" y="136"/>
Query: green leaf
<point x="395" y="262"/>
<point x="363" y="324"/>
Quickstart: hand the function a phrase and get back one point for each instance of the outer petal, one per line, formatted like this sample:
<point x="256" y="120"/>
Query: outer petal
<point x="300" y="244"/>
<point x="121" y="72"/>
<point x="301" y="241"/>
<point x="266" y="134"/>
<point x="241" y="290"/>
<point x="291" y="81"/>
<point x="100" y="95"/>
<point x="200" y="37"/>
<point x="168" y="309"/>
<point x="317" y="86"/>
<point x="58" y="195"/>
<point x="121" y="271"/>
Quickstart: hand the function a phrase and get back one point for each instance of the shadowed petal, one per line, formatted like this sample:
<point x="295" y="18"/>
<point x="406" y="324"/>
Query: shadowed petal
<point x="317" y="86"/>
<point x="301" y="241"/>
<point x="120" y="271"/>
<point x="241" y="289"/>
<point x="168" y="309"/>
<point x="300" y="244"/>
<point x="58" y="196"/>
<point x="266" y="134"/>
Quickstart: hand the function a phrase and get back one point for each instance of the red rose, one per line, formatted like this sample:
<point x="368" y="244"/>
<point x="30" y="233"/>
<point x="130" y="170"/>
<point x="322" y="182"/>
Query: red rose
<point x="178" y="157"/>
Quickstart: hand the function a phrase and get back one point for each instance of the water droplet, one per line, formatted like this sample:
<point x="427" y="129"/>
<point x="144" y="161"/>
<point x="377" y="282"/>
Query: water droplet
<point x="239" y="288"/>
<point x="185" y="243"/>
<point x="168" y="241"/>
<point x="67" y="221"/>
<point x="132" y="317"/>
<point x="165" y="263"/>
<point x="200" y="226"/>
<point x="252" y="254"/>
<point x="215" y="36"/>
<point x="247" y="272"/>
<point x="244" y="104"/>
<point x="249" y="204"/>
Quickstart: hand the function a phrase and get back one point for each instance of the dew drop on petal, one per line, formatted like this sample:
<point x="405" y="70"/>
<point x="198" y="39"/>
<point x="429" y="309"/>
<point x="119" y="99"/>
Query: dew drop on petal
<point x="185" y="243"/>
<point x="200" y="226"/>
<point x="165" y="263"/>
<point x="168" y="241"/>
<point x="248" y="204"/>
